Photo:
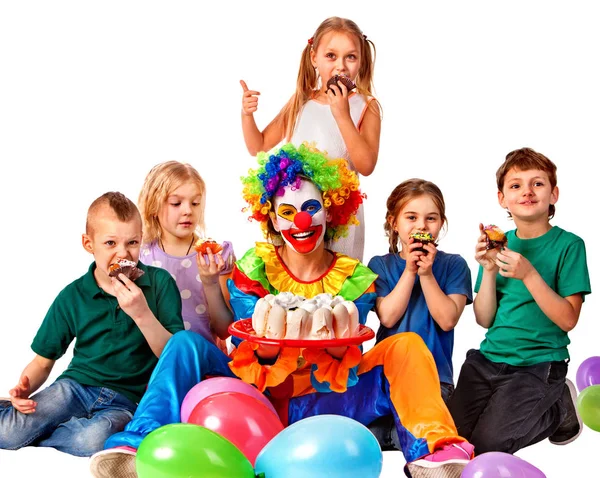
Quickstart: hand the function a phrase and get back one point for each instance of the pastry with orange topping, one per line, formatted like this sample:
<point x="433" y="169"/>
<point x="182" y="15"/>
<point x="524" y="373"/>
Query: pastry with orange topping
<point x="495" y="237"/>
<point x="203" y="244"/>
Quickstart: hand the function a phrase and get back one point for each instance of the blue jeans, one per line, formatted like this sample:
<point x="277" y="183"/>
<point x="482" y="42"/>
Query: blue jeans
<point x="500" y="407"/>
<point x="70" y="417"/>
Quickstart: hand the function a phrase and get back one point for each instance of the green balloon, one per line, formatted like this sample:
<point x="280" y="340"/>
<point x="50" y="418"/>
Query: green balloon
<point x="588" y="404"/>
<point x="185" y="450"/>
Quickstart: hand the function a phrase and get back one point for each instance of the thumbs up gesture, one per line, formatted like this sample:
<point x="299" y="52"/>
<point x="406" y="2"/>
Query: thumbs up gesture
<point x="249" y="100"/>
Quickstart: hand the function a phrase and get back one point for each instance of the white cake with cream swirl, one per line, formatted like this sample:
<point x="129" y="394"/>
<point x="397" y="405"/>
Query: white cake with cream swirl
<point x="289" y="316"/>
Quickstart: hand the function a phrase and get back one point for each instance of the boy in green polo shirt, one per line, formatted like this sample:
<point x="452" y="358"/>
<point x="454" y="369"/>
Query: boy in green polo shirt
<point x="120" y="328"/>
<point x="513" y="392"/>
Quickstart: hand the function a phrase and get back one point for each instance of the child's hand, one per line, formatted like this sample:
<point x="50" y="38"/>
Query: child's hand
<point x="425" y="262"/>
<point x="130" y="297"/>
<point x="512" y="264"/>
<point x="19" y="396"/>
<point x="337" y="98"/>
<point x="485" y="257"/>
<point x="413" y="256"/>
<point x="209" y="271"/>
<point x="249" y="100"/>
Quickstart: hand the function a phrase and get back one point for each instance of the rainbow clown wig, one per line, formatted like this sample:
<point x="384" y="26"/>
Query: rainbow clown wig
<point x="286" y="167"/>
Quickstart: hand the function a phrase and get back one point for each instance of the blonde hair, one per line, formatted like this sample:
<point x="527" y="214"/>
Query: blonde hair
<point x="160" y="182"/>
<point x="307" y="80"/>
<point x="402" y="194"/>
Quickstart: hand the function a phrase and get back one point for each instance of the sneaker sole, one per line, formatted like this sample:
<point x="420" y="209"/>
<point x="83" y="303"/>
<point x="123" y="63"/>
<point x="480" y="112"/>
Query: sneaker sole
<point x="573" y="393"/>
<point x="114" y="465"/>
<point x="447" y="470"/>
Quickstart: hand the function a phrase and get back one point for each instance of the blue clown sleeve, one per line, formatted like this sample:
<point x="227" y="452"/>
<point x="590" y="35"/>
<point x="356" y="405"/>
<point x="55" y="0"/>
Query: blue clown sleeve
<point x="242" y="305"/>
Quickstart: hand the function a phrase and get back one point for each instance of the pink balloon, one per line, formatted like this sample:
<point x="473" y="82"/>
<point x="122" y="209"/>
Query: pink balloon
<point x="210" y="386"/>
<point x="496" y="464"/>
<point x="242" y="419"/>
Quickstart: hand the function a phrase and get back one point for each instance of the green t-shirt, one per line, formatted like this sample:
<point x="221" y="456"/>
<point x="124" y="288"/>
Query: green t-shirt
<point x="521" y="333"/>
<point x="110" y="350"/>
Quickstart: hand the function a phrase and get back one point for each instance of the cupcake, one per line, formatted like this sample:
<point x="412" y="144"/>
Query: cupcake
<point x="347" y="82"/>
<point x="495" y="237"/>
<point x="203" y="244"/>
<point x="128" y="268"/>
<point x="424" y="238"/>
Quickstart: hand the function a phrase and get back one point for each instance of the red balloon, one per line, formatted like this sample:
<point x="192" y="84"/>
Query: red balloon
<point x="242" y="419"/>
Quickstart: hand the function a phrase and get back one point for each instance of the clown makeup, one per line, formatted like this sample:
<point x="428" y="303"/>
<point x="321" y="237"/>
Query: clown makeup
<point x="300" y="217"/>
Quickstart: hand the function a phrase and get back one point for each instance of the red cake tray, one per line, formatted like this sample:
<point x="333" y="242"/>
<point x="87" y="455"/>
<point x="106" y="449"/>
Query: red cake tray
<point x="243" y="330"/>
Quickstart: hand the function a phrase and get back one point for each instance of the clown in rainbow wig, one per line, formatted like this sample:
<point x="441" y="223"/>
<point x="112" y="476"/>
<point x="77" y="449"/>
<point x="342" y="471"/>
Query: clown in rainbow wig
<point x="301" y="198"/>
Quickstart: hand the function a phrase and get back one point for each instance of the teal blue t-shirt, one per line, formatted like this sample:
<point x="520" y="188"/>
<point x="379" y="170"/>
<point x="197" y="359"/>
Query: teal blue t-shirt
<point x="521" y="333"/>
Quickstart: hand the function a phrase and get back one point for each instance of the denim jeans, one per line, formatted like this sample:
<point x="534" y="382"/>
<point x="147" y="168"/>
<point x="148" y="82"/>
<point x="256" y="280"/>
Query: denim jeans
<point x="70" y="417"/>
<point x="385" y="430"/>
<point x="500" y="407"/>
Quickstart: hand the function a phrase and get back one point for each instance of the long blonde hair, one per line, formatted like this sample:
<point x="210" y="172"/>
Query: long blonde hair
<point x="160" y="182"/>
<point x="307" y="81"/>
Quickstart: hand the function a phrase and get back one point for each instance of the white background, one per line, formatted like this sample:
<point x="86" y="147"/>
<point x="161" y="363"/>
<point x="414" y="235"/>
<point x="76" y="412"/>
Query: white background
<point x="93" y="94"/>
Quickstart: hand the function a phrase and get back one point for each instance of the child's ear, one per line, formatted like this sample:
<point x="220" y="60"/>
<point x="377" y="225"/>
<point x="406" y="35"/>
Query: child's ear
<point x="554" y="195"/>
<point x="390" y="221"/>
<point x="86" y="242"/>
<point x="501" y="199"/>
<point x="312" y="57"/>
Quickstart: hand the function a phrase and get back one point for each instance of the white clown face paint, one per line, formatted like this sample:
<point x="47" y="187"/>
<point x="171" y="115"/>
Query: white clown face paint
<point x="300" y="217"/>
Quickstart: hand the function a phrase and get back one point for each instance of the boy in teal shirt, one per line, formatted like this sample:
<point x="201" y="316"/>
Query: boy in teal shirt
<point x="513" y="391"/>
<point x="120" y="328"/>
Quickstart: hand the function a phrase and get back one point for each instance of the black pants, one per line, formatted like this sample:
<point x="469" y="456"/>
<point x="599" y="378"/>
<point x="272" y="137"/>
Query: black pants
<point x="500" y="407"/>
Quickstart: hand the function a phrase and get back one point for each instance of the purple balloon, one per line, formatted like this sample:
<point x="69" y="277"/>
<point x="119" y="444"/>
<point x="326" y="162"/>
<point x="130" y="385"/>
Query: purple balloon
<point x="588" y="373"/>
<point x="495" y="464"/>
<point x="210" y="386"/>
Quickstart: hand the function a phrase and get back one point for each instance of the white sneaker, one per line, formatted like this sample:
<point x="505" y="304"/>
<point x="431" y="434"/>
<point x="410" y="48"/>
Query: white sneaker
<point x="116" y="462"/>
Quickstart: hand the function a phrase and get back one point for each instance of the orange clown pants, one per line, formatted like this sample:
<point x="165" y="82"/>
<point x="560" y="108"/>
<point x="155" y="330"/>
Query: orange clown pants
<point x="397" y="376"/>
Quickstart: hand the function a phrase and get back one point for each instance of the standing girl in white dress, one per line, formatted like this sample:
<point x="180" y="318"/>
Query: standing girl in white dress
<point x="342" y="123"/>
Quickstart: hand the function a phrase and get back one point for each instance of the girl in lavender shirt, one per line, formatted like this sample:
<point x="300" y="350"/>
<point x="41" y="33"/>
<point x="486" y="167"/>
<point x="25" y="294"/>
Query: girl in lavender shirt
<point x="172" y="207"/>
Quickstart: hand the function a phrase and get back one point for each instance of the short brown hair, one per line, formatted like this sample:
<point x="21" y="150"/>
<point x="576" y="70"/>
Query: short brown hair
<point x="405" y="192"/>
<point x="123" y="207"/>
<point x="526" y="159"/>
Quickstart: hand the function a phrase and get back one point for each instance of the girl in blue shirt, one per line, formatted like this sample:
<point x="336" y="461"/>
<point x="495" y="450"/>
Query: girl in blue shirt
<point x="420" y="288"/>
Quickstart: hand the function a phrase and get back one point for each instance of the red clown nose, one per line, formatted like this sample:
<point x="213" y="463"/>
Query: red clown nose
<point x="303" y="220"/>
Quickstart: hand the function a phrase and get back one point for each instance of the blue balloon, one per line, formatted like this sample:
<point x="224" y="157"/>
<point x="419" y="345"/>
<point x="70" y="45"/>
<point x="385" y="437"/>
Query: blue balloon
<point x="330" y="446"/>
